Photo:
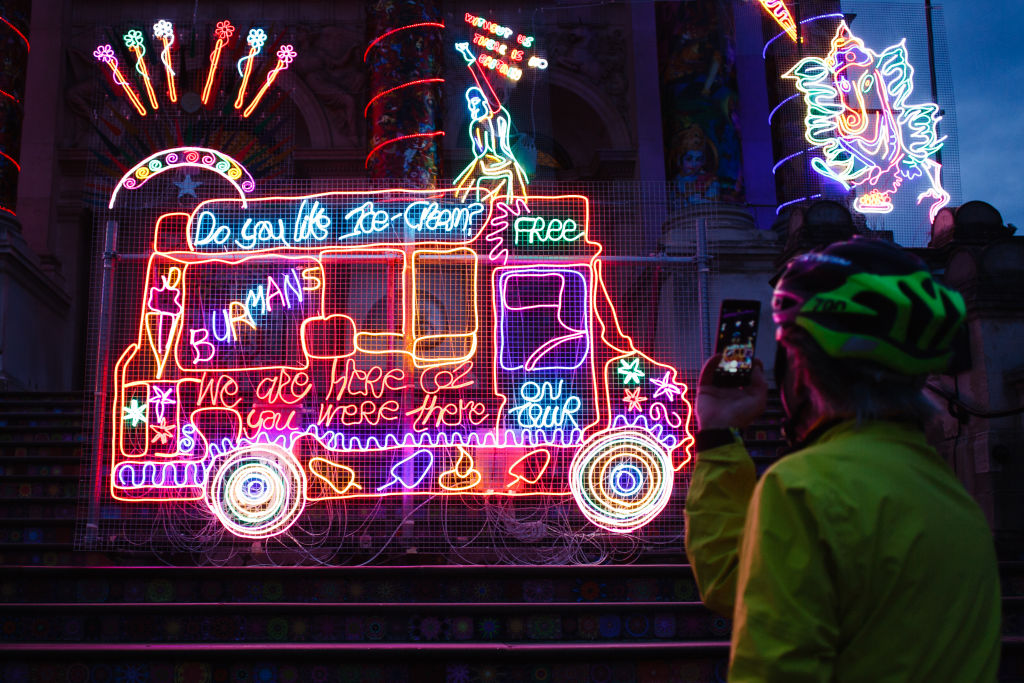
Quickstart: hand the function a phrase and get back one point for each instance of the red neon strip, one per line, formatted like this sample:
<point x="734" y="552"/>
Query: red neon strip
<point x="4" y="208"/>
<point x="397" y="87"/>
<point x="7" y="94"/>
<point x="403" y="137"/>
<point x="395" y="30"/>
<point x="14" y="28"/>
<point x="7" y="156"/>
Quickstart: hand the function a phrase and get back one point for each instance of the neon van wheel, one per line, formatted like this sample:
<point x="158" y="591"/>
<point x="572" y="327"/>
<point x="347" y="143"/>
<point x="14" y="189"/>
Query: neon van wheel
<point x="257" y="491"/>
<point x="621" y="480"/>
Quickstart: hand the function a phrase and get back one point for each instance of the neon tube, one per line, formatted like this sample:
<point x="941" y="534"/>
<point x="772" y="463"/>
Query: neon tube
<point x="366" y="110"/>
<point x="224" y="31"/>
<point x="164" y="30"/>
<point x="402" y="137"/>
<point x="134" y="42"/>
<point x="285" y="55"/>
<point x="396" y="30"/>
<point x="105" y="54"/>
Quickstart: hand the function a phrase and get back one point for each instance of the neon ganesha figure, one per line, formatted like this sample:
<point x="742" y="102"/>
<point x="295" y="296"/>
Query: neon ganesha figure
<point x="358" y="345"/>
<point x="869" y="136"/>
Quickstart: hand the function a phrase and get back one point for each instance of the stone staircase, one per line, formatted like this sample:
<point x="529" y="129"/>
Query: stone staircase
<point x="68" y="615"/>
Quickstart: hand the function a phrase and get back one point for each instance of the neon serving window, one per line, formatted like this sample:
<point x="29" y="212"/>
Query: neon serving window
<point x="543" y="319"/>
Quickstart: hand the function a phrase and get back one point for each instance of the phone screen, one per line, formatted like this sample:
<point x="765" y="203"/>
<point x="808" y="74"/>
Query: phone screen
<point x="737" y="335"/>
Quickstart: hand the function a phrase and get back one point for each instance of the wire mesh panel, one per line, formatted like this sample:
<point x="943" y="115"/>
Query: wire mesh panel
<point x="363" y="372"/>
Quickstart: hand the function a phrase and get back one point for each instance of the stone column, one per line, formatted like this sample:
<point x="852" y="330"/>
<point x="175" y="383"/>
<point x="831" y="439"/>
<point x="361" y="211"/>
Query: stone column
<point x="405" y="45"/>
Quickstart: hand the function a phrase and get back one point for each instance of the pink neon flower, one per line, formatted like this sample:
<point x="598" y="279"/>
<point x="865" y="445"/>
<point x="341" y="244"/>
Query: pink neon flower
<point x="286" y="54"/>
<point x="105" y="53"/>
<point x="224" y="30"/>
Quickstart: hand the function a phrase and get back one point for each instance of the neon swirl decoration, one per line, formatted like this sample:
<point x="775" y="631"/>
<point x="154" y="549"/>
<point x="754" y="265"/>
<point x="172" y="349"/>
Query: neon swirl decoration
<point x="858" y="117"/>
<point x="179" y="157"/>
<point x="258" y="384"/>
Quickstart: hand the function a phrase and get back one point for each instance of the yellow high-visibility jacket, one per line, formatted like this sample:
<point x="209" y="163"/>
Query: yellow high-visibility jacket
<point x="858" y="558"/>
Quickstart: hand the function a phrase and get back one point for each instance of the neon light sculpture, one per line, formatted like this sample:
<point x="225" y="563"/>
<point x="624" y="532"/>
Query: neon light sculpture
<point x="285" y="56"/>
<point x="223" y="32"/>
<point x="164" y="31"/>
<point x="494" y="164"/>
<point x="105" y="54"/>
<point x="179" y="157"/>
<point x="782" y="16"/>
<point x="875" y="152"/>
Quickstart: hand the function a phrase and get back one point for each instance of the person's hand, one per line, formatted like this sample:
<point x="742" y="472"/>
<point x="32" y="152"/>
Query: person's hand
<point x="725" y="407"/>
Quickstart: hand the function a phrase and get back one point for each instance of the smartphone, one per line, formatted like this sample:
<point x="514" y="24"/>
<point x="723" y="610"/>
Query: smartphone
<point x="737" y="335"/>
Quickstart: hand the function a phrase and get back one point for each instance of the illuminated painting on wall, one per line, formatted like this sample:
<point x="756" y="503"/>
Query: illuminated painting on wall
<point x="871" y="139"/>
<point x="699" y="95"/>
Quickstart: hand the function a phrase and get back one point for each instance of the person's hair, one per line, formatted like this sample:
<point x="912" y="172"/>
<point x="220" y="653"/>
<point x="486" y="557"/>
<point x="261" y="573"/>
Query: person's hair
<point x="859" y="388"/>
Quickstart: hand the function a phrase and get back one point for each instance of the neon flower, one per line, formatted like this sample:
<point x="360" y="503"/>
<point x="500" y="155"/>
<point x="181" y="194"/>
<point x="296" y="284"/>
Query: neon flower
<point x="105" y="54"/>
<point x="133" y="40"/>
<point x="256" y="38"/>
<point x="630" y="371"/>
<point x="224" y="30"/>
<point x="633" y="400"/>
<point x="162" y="433"/>
<point x="286" y="54"/>
<point x="135" y="412"/>
<point x="858" y="116"/>
<point x="163" y="29"/>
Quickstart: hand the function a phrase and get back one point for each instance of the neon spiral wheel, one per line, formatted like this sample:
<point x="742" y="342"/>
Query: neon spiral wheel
<point x="257" y="491"/>
<point x="621" y="480"/>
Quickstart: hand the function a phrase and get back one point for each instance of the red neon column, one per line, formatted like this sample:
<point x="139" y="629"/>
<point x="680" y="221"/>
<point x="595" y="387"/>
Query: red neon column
<point x="14" y="20"/>
<point x="404" y="54"/>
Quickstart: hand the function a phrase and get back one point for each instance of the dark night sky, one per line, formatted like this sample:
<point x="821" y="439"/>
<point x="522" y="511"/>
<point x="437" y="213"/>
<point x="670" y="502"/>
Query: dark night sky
<point x="988" y="81"/>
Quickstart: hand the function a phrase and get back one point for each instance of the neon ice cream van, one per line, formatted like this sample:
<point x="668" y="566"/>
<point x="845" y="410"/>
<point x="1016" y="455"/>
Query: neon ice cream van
<point x="357" y="345"/>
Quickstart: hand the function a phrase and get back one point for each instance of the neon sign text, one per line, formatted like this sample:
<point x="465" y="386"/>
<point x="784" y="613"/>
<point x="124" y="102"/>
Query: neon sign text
<point x="537" y="229"/>
<point x="544" y="407"/>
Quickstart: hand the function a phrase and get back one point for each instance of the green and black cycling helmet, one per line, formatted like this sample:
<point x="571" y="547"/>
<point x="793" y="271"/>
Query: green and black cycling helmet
<point x="870" y="300"/>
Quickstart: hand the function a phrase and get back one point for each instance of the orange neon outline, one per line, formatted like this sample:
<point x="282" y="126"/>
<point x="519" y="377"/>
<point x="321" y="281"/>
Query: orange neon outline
<point x="464" y="468"/>
<point x="337" y="466"/>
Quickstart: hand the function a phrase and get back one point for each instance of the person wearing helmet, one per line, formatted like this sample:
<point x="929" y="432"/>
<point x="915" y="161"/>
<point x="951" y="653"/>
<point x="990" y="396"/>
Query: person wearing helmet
<point x="858" y="556"/>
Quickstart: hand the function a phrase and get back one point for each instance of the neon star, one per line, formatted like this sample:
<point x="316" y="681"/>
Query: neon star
<point x="187" y="186"/>
<point x="630" y="371"/>
<point x="633" y="399"/>
<point x="666" y="386"/>
<point x="135" y="412"/>
<point x="161" y="398"/>
<point x="162" y="433"/>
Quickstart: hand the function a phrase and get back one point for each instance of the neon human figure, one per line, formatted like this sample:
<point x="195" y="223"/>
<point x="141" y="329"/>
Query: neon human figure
<point x="858" y="116"/>
<point x="494" y="164"/>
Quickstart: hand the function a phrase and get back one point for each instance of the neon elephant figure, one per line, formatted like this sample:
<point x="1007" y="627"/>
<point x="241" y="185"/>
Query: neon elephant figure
<point x="857" y="114"/>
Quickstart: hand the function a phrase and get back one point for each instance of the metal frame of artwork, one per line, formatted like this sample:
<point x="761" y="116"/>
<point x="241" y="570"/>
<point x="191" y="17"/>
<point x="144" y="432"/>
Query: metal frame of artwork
<point x="858" y="116"/>
<point x="264" y="397"/>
